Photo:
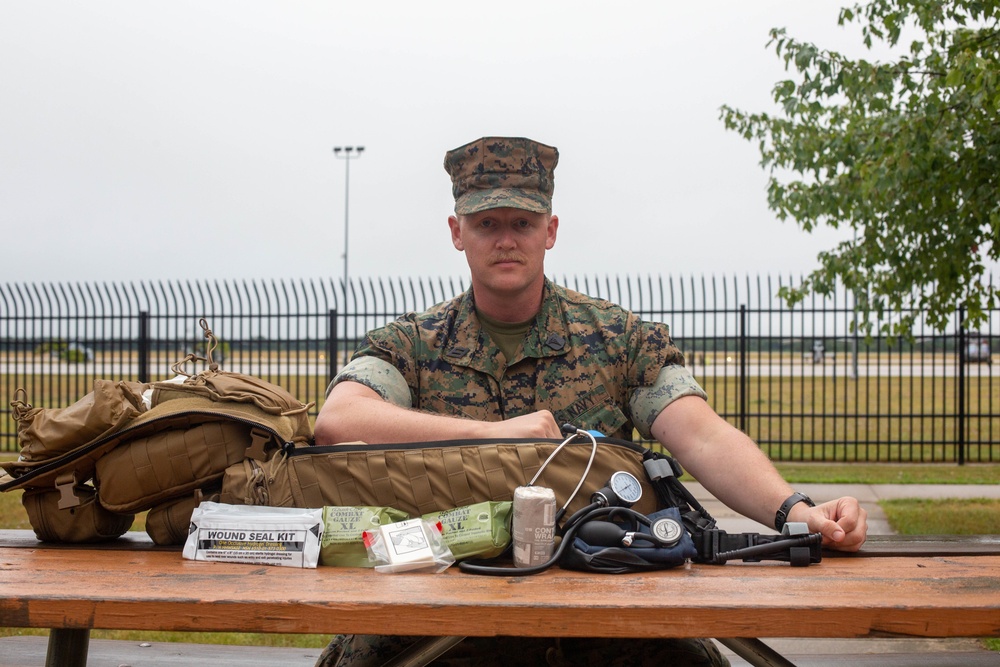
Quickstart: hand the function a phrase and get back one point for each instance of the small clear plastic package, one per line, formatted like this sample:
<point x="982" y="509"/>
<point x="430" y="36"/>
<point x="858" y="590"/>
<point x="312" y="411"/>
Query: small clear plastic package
<point x="284" y="536"/>
<point x="408" y="546"/>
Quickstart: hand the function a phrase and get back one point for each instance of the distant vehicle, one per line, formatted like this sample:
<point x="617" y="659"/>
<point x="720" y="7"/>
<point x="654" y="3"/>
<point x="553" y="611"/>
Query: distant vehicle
<point x="818" y="352"/>
<point x="977" y="351"/>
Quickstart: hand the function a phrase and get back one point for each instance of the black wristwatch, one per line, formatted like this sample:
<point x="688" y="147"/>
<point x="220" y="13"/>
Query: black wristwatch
<point x="782" y="514"/>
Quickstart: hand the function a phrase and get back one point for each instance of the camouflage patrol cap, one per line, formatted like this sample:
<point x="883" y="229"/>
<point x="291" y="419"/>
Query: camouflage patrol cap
<point x="502" y="172"/>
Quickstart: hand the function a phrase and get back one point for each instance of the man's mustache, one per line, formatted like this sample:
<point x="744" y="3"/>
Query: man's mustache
<point x="508" y="257"/>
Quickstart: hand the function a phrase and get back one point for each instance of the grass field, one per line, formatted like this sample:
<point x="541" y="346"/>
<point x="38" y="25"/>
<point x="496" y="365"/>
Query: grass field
<point x="891" y="419"/>
<point x="917" y="516"/>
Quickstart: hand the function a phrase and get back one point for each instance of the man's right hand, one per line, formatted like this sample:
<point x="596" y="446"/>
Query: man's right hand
<point x="539" y="424"/>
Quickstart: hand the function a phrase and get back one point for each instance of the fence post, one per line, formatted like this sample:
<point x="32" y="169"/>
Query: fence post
<point x="332" y="345"/>
<point x="960" y="415"/>
<point x="743" y="368"/>
<point x="144" y="346"/>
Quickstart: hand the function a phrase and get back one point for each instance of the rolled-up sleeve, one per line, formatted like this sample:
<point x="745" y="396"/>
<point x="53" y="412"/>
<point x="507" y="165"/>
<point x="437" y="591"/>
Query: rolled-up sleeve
<point x="646" y="403"/>
<point x="378" y="375"/>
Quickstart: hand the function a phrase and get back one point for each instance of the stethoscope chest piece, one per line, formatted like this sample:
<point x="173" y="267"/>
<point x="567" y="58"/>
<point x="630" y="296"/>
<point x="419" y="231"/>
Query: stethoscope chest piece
<point x="666" y="531"/>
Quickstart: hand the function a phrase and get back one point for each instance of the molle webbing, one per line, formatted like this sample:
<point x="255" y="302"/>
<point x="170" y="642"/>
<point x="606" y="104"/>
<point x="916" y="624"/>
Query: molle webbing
<point x="419" y="478"/>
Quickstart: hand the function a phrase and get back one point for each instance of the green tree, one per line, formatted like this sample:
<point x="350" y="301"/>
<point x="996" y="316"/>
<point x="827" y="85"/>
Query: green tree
<point x="904" y="151"/>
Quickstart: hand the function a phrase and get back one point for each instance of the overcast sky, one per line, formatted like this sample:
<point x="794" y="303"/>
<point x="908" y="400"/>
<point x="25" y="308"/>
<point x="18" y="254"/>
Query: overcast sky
<point x="188" y="140"/>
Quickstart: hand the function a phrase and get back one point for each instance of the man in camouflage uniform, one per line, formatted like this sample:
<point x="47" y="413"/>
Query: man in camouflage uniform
<point x="517" y="356"/>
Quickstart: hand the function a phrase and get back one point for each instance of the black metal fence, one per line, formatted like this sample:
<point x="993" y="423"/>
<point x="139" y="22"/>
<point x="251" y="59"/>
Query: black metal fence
<point x="799" y="381"/>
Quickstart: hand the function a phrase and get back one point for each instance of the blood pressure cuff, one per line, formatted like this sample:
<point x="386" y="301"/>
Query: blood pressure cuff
<point x="642" y="556"/>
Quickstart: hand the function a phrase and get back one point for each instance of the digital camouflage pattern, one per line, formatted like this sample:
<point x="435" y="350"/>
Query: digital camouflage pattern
<point x="583" y="359"/>
<point x="502" y="172"/>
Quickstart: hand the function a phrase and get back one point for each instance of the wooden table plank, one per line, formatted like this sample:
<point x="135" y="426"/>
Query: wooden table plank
<point x="132" y="541"/>
<point x="847" y="597"/>
<point x="924" y="545"/>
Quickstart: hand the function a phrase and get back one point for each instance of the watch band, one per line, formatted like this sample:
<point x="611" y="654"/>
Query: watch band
<point x="781" y="516"/>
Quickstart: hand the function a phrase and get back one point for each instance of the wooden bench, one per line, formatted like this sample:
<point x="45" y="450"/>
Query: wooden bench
<point x="906" y="587"/>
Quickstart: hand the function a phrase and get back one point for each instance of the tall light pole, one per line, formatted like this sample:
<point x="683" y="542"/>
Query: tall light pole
<point x="347" y="153"/>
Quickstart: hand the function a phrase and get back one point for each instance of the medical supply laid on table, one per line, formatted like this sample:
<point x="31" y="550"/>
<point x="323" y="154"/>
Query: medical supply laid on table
<point x="481" y="530"/>
<point x="407" y="546"/>
<point x="534" y="526"/>
<point x="284" y="536"/>
<point x="343" y="528"/>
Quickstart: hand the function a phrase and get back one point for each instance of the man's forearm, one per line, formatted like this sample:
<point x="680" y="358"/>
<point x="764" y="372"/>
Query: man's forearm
<point x="354" y="418"/>
<point x="735" y="471"/>
<point x="725" y="460"/>
<point x="355" y="413"/>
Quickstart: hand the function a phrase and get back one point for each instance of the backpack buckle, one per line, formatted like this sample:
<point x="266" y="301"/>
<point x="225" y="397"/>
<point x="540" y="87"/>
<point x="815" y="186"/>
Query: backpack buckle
<point x="66" y="485"/>
<point x="256" y="450"/>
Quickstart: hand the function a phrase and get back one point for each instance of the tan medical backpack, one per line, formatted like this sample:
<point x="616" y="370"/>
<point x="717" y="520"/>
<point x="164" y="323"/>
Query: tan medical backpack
<point x="126" y="447"/>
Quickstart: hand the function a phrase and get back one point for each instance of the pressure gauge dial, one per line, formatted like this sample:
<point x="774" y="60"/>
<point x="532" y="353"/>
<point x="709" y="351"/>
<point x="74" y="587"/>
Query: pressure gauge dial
<point x="622" y="490"/>
<point x="626" y="487"/>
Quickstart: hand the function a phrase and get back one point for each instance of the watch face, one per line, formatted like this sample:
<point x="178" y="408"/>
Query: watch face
<point x="667" y="531"/>
<point x="626" y="487"/>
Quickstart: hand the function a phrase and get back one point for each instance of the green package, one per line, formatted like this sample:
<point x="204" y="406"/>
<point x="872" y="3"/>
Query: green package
<point x="481" y="530"/>
<point x="342" y="527"/>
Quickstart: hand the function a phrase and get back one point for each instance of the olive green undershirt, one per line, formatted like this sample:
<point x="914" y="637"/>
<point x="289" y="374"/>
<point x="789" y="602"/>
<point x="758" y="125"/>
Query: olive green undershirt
<point x="508" y="337"/>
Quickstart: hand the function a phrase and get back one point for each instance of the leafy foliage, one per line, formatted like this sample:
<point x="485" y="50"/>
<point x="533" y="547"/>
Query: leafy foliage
<point x="904" y="152"/>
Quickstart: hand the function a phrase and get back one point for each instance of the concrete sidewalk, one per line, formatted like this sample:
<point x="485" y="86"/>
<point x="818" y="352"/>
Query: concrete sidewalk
<point x="867" y="494"/>
<point x="878" y="652"/>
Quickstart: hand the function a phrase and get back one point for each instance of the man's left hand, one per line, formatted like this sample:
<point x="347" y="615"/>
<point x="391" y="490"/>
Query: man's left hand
<point x="843" y="523"/>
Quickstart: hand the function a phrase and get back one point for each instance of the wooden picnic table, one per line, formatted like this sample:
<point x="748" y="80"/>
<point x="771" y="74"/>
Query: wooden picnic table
<point x="915" y="588"/>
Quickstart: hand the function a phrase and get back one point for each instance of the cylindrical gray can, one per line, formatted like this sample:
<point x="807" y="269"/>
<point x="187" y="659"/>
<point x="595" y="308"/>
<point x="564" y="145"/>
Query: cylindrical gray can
<point x="534" y="526"/>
